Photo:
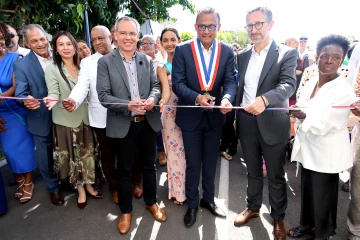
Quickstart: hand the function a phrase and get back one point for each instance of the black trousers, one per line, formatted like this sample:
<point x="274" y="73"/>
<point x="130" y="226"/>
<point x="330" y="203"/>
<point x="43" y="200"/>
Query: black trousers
<point x="319" y="199"/>
<point x="254" y="147"/>
<point x="201" y="152"/>
<point x="142" y="137"/>
<point x="107" y="157"/>
<point x="229" y="140"/>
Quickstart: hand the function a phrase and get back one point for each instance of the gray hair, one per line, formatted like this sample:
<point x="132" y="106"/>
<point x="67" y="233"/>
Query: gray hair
<point x="207" y="11"/>
<point x="126" y="18"/>
<point x="151" y="37"/>
<point x="31" y="26"/>
<point x="265" y="10"/>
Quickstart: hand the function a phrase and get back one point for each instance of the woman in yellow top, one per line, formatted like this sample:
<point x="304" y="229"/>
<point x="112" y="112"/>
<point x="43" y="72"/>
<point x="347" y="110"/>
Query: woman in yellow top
<point x="74" y="143"/>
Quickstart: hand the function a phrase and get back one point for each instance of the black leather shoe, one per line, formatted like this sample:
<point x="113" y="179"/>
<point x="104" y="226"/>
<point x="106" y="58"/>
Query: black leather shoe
<point x="190" y="217"/>
<point x="212" y="208"/>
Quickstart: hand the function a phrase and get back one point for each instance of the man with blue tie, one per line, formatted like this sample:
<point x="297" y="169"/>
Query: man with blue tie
<point x="203" y="74"/>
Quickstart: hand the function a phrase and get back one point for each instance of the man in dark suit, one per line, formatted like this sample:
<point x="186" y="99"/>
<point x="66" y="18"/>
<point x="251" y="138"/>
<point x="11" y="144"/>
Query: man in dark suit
<point x="203" y="73"/>
<point x="266" y="79"/>
<point x="30" y="84"/>
<point x="128" y="77"/>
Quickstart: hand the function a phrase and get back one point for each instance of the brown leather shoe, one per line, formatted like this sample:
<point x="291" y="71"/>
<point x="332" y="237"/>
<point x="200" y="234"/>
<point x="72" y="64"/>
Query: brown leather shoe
<point x="279" y="231"/>
<point x="158" y="213"/>
<point x="162" y="158"/>
<point x="115" y="197"/>
<point x="244" y="217"/>
<point x="124" y="223"/>
<point x="138" y="190"/>
<point x="56" y="198"/>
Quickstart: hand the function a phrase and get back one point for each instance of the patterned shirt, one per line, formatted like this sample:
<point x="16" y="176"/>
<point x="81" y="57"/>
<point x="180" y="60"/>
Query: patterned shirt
<point x="130" y="67"/>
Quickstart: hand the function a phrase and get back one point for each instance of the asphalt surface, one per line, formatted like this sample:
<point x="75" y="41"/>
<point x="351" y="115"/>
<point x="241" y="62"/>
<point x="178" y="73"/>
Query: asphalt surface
<point x="39" y="219"/>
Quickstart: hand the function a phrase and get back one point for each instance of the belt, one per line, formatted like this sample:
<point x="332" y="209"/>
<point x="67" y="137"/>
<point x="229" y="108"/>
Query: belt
<point x="243" y="111"/>
<point x="138" y="118"/>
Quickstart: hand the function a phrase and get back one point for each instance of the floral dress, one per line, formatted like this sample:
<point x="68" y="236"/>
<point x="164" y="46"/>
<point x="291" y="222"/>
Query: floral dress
<point x="174" y="145"/>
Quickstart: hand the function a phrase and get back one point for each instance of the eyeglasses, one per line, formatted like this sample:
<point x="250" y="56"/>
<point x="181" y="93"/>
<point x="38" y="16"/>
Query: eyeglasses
<point x="124" y="34"/>
<point x="203" y="27"/>
<point x="147" y="43"/>
<point x="257" y="25"/>
<point x="303" y="39"/>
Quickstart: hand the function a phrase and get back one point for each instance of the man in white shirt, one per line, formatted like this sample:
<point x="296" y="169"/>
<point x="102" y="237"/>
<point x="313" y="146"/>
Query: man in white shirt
<point x="266" y="79"/>
<point x="101" y="40"/>
<point x="14" y="47"/>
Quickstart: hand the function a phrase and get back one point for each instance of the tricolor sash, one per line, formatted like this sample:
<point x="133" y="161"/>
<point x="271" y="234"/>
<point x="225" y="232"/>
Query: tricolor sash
<point x="206" y="75"/>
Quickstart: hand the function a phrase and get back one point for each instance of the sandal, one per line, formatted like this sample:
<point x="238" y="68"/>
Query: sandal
<point x="17" y="194"/>
<point x="177" y="202"/>
<point x="299" y="231"/>
<point x="27" y="199"/>
<point x="226" y="156"/>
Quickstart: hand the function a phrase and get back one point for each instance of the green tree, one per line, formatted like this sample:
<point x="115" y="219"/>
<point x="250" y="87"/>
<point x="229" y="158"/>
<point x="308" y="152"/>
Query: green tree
<point x="186" y="36"/>
<point x="234" y="36"/>
<point x="55" y="15"/>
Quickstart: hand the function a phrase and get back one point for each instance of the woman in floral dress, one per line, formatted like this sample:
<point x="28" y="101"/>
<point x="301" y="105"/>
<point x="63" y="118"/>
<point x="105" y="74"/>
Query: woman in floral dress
<point x="172" y="136"/>
<point x="75" y="148"/>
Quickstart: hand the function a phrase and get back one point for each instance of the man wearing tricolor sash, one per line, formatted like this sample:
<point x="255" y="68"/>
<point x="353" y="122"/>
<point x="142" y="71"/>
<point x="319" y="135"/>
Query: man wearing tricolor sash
<point x="203" y="75"/>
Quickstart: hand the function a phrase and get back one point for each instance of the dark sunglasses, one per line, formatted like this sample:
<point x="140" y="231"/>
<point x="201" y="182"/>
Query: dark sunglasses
<point x="12" y="35"/>
<point x="303" y="39"/>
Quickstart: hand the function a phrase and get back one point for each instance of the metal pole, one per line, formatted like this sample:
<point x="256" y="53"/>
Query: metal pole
<point x="86" y="27"/>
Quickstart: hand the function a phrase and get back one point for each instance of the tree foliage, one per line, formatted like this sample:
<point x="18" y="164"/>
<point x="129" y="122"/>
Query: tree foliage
<point x="55" y="15"/>
<point x="186" y="36"/>
<point x="240" y="37"/>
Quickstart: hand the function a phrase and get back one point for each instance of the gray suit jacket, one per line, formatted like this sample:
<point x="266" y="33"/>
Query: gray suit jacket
<point x="113" y="87"/>
<point x="277" y="83"/>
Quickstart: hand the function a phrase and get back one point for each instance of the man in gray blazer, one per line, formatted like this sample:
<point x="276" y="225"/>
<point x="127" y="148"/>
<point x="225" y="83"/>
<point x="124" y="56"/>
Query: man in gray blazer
<point x="128" y="87"/>
<point x="266" y="79"/>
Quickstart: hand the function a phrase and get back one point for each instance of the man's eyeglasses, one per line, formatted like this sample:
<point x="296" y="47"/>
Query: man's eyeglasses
<point x="124" y="34"/>
<point x="257" y="25"/>
<point x="203" y="27"/>
<point x="147" y="43"/>
<point x="303" y="39"/>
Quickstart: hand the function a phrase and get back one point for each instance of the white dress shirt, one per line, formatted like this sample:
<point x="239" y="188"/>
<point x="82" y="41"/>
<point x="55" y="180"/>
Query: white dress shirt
<point x="87" y="85"/>
<point x="322" y="141"/>
<point x="253" y="72"/>
<point x="44" y="62"/>
<point x="23" y="51"/>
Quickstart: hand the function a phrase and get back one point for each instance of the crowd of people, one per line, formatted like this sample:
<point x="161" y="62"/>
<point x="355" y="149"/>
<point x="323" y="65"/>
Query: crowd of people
<point x="84" y="118"/>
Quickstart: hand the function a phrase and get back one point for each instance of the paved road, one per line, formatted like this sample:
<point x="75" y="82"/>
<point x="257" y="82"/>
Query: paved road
<point x="39" y="219"/>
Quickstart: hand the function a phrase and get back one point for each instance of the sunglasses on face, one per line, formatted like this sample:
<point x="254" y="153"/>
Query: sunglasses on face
<point x="303" y="39"/>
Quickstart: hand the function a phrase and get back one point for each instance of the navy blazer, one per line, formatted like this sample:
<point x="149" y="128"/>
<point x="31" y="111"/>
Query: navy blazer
<point x="186" y="86"/>
<point x="277" y="83"/>
<point x="30" y="80"/>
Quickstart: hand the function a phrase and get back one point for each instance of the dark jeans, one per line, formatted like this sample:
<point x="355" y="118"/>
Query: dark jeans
<point x="159" y="142"/>
<point x="142" y="137"/>
<point x="45" y="161"/>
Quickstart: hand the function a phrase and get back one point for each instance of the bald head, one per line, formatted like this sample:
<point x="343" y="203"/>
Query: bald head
<point x="101" y="39"/>
<point x="292" y="42"/>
